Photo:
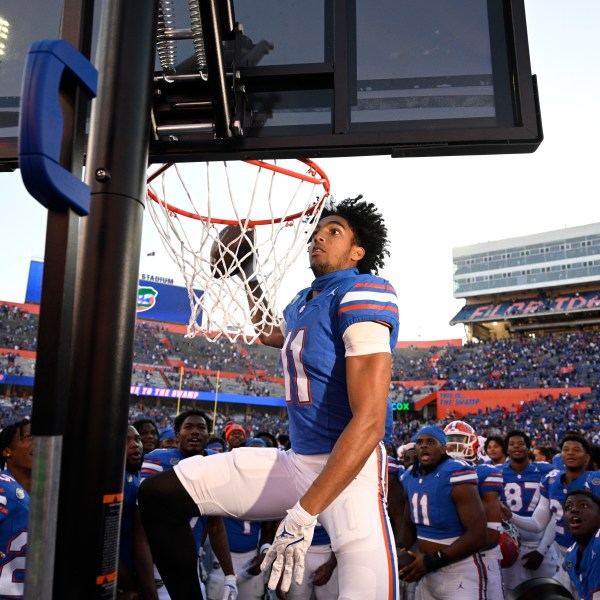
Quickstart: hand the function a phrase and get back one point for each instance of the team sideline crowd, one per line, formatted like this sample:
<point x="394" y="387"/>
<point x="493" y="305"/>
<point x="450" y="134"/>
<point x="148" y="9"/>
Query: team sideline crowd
<point x="339" y="499"/>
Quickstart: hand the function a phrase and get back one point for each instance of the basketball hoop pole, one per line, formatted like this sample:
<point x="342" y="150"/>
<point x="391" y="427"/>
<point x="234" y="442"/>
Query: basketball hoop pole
<point x="52" y="377"/>
<point x="104" y="311"/>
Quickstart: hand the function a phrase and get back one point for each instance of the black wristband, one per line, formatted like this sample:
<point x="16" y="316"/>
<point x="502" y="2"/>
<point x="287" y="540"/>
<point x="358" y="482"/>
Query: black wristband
<point x="436" y="561"/>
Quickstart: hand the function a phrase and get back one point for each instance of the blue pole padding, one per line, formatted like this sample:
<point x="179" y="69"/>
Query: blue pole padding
<point x="41" y="124"/>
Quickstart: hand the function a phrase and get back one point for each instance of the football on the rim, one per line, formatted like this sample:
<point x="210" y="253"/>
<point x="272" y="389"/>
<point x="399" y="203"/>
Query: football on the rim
<point x="231" y="251"/>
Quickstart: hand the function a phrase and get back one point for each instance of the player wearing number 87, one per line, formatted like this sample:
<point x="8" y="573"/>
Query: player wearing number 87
<point x="336" y="337"/>
<point x="16" y="456"/>
<point x="443" y="511"/>
<point x="538" y="556"/>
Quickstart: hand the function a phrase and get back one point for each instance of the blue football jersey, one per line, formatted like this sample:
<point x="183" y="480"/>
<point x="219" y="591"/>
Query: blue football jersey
<point x="130" y="493"/>
<point x="489" y="479"/>
<point x="586" y="578"/>
<point x="555" y="491"/>
<point x="432" y="509"/>
<point x="313" y="354"/>
<point x="242" y="536"/>
<point x="14" y="514"/>
<point x="393" y="467"/>
<point x="161" y="459"/>
<point x="320" y="536"/>
<point x="521" y="491"/>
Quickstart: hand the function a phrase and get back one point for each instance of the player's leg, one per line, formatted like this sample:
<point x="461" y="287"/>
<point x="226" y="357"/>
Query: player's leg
<point x="256" y="484"/>
<point x="562" y="576"/>
<point x="465" y="579"/>
<point x="248" y="589"/>
<point x="361" y="535"/>
<point x="491" y="559"/>
<point x="166" y="510"/>
<point x="252" y="483"/>
<point x="331" y="589"/>
<point x="315" y="557"/>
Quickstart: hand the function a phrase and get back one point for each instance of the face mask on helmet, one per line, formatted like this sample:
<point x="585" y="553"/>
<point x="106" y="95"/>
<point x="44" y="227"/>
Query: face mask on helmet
<point x="461" y="441"/>
<point x="457" y="446"/>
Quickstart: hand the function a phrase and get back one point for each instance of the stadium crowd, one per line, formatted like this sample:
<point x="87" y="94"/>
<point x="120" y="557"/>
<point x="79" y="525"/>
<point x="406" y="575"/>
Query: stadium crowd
<point x="547" y="425"/>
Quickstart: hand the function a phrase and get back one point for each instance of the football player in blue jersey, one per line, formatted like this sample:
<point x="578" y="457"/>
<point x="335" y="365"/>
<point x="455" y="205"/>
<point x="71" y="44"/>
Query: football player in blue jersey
<point x="582" y="518"/>
<point x="521" y="493"/>
<point x="463" y="444"/>
<point x="16" y="458"/>
<point x="135" y="560"/>
<point x="443" y="511"/>
<point x="191" y="428"/>
<point x="575" y="453"/>
<point x="337" y="337"/>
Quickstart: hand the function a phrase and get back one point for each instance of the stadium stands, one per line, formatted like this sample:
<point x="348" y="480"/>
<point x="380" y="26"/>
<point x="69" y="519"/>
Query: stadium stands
<point x="555" y="360"/>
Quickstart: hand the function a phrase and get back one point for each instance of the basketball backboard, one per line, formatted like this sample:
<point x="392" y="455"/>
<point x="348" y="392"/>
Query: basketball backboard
<point x="272" y="79"/>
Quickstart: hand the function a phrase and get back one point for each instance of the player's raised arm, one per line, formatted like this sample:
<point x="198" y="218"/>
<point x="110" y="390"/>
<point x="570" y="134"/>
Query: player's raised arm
<point x="271" y="336"/>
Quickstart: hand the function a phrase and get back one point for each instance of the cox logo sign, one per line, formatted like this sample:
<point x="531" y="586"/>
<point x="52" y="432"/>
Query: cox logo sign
<point x="400" y="405"/>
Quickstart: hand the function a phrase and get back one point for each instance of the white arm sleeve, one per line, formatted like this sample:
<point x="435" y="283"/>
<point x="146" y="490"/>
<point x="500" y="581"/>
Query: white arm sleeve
<point x="367" y="337"/>
<point x="548" y="538"/>
<point x="538" y="521"/>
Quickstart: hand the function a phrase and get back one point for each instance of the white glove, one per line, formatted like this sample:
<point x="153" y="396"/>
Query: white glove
<point x="230" y="590"/>
<point x="291" y="542"/>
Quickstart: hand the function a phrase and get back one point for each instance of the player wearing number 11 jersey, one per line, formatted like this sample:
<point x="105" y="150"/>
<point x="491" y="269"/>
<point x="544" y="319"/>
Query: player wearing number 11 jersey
<point x="443" y="509"/>
<point x="336" y="339"/>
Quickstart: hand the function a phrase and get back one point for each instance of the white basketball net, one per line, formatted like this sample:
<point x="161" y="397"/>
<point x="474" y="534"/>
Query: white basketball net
<point x="282" y="211"/>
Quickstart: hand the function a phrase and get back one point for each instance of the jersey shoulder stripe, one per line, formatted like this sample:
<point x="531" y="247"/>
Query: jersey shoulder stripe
<point x="376" y="295"/>
<point x="463" y="478"/>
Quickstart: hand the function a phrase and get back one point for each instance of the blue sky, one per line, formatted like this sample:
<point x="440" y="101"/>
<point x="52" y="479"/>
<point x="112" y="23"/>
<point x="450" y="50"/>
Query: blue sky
<point x="432" y="204"/>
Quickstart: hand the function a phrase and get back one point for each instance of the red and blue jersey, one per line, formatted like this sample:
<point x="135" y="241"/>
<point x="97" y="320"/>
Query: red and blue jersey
<point x="432" y="508"/>
<point x="489" y="479"/>
<point x="313" y="354"/>
<point x="555" y="490"/>
<point x="14" y="514"/>
<point x="585" y="575"/>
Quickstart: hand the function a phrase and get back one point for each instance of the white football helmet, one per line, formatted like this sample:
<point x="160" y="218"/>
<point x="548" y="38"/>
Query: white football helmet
<point x="462" y="442"/>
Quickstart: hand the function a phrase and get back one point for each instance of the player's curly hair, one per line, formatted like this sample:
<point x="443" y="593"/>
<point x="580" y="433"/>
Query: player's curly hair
<point x="517" y="433"/>
<point x="139" y="423"/>
<point x="368" y="228"/>
<point x="7" y="435"/>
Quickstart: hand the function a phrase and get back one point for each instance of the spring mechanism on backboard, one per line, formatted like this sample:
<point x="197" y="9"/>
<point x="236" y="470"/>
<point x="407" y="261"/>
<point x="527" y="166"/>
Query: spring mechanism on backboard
<point x="197" y="35"/>
<point x="166" y="46"/>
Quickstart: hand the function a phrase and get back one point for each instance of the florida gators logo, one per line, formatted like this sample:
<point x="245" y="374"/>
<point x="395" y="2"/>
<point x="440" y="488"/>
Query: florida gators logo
<point x="146" y="298"/>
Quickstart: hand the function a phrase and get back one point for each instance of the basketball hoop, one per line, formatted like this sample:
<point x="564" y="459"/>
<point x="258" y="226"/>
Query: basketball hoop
<point x="226" y="231"/>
